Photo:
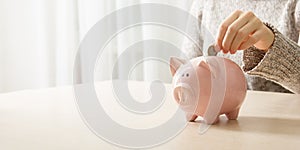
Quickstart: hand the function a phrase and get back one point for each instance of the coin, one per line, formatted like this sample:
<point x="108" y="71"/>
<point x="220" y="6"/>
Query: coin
<point x="211" y="51"/>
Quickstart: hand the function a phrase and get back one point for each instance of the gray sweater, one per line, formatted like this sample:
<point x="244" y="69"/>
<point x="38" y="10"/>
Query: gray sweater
<point x="276" y="70"/>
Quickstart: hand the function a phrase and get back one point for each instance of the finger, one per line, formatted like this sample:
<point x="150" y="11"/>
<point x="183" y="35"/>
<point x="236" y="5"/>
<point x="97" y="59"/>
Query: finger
<point x="224" y="25"/>
<point x="243" y="34"/>
<point x="234" y="28"/>
<point x="246" y="39"/>
<point x="251" y="41"/>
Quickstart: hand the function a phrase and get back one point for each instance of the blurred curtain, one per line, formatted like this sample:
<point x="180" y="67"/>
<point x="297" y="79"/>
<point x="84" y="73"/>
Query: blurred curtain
<point x="39" y="41"/>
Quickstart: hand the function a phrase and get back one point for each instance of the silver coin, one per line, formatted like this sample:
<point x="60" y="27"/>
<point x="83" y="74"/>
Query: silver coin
<point x="211" y="51"/>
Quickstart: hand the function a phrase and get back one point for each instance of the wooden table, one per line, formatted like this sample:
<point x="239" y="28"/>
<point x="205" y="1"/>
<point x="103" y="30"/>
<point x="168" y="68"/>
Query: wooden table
<point x="49" y="119"/>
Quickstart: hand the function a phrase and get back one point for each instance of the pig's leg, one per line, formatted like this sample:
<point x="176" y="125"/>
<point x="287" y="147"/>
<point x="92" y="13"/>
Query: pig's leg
<point x="233" y="115"/>
<point x="217" y="120"/>
<point x="211" y="121"/>
<point x="191" y="117"/>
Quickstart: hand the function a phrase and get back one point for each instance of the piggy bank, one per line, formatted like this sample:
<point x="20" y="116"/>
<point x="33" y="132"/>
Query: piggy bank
<point x="208" y="87"/>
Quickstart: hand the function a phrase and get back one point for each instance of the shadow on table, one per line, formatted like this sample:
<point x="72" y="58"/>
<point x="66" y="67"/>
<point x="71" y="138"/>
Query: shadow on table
<point x="261" y="125"/>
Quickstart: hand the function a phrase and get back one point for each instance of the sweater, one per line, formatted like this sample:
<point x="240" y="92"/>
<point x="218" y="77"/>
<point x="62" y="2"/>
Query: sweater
<point x="278" y="68"/>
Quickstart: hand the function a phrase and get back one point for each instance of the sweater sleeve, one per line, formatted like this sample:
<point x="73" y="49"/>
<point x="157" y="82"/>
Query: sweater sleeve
<point x="280" y="64"/>
<point x="193" y="41"/>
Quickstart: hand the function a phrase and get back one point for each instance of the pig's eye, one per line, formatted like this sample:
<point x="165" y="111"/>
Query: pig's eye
<point x="187" y="75"/>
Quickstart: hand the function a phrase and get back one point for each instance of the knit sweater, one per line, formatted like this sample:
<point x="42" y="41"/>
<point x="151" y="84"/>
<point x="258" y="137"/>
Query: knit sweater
<point x="278" y="68"/>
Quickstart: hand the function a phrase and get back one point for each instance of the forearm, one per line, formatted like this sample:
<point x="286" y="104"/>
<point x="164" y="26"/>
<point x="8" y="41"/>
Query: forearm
<point x="280" y="64"/>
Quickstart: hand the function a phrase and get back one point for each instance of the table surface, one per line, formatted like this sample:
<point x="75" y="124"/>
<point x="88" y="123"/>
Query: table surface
<point x="49" y="119"/>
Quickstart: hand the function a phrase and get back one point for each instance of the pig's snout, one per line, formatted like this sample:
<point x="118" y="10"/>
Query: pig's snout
<point x="183" y="93"/>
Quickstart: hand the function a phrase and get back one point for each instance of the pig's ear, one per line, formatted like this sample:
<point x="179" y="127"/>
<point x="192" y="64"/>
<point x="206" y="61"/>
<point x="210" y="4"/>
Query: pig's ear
<point x="175" y="63"/>
<point x="205" y="65"/>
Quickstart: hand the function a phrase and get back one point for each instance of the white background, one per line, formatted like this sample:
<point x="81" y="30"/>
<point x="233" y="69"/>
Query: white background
<point x="39" y="41"/>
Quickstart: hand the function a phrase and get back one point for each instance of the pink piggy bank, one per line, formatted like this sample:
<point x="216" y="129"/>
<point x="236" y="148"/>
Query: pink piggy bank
<point x="208" y="87"/>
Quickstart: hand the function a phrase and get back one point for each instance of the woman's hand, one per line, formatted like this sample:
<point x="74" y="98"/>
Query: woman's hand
<point x="241" y="30"/>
